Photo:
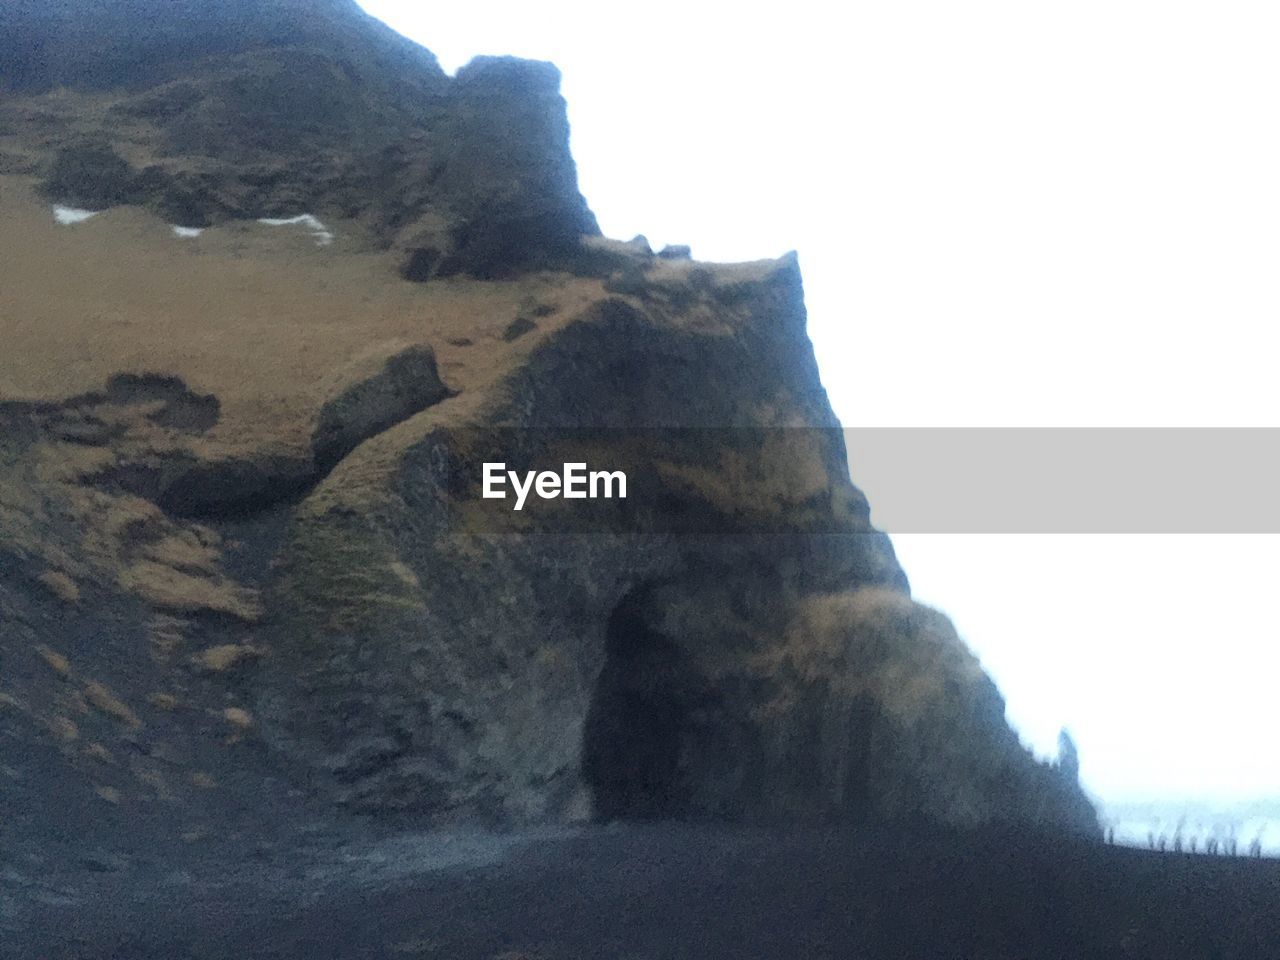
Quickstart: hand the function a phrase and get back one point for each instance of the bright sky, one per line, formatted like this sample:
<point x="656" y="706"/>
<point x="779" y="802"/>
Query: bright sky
<point x="1008" y="214"/>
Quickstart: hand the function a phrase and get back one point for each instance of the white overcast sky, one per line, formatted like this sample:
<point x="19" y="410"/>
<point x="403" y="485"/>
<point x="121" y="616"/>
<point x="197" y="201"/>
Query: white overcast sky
<point x="1008" y="214"/>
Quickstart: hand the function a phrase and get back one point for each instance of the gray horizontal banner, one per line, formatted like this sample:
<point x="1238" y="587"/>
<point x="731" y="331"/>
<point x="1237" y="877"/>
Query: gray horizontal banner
<point x="1079" y="480"/>
<point x="780" y="480"/>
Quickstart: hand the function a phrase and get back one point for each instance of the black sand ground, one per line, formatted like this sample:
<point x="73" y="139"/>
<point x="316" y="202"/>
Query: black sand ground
<point x="659" y="891"/>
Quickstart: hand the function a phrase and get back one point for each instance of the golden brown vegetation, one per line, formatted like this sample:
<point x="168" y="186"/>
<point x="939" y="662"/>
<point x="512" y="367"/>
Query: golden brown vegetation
<point x="61" y="586"/>
<point x="105" y="701"/>
<point x="225" y="656"/>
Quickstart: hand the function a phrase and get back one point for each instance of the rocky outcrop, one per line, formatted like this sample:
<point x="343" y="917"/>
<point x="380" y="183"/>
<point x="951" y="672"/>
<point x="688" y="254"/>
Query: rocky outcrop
<point x="237" y="110"/>
<point x="406" y="384"/>
<point x="735" y="641"/>
<point x="266" y="534"/>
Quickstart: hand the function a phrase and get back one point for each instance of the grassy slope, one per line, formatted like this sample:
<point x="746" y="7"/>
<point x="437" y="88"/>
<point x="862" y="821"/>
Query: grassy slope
<point x="259" y="316"/>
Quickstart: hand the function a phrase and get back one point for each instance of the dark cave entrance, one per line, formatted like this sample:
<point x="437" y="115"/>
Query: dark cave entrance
<point x="637" y="722"/>
<point x="664" y="741"/>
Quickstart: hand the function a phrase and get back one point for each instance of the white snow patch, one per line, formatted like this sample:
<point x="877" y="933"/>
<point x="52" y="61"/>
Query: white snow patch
<point x="187" y="232"/>
<point x="323" y="236"/>
<point x="68" y="215"/>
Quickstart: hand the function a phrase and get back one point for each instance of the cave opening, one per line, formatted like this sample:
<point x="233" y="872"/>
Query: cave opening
<point x="637" y="722"/>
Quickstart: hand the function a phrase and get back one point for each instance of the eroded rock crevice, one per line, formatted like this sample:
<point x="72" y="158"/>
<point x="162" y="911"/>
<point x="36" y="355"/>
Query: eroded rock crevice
<point x="167" y="466"/>
<point x="677" y="730"/>
<point x="638" y="723"/>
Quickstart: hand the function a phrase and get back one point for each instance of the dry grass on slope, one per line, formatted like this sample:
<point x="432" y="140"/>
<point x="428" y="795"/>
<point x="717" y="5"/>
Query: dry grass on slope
<point x="261" y="317"/>
<point x="902" y="653"/>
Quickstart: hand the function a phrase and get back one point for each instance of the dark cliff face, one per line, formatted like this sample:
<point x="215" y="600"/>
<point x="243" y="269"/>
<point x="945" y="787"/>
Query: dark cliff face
<point x="133" y="44"/>
<point x="243" y="543"/>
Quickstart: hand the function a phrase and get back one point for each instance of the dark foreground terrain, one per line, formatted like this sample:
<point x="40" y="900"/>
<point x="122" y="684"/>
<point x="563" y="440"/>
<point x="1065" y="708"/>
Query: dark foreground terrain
<point x="654" y="892"/>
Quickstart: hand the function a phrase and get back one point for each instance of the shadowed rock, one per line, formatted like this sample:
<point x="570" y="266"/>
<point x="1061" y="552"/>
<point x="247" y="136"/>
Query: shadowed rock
<point x="407" y="383"/>
<point x="91" y="176"/>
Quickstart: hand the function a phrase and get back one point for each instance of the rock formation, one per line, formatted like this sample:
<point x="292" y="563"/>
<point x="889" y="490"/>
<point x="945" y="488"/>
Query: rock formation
<point x="244" y="556"/>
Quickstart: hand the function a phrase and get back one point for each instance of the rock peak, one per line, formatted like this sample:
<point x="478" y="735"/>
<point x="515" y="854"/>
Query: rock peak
<point x="233" y="110"/>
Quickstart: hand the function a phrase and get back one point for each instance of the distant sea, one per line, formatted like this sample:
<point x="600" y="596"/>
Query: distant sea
<point x="1136" y="824"/>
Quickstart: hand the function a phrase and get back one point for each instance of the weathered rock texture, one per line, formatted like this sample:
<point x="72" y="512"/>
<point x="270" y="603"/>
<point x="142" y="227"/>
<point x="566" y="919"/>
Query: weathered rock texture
<point x="232" y="109"/>
<point x="244" y="555"/>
